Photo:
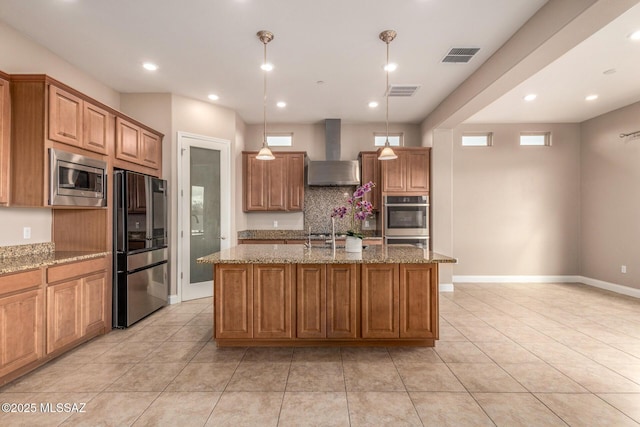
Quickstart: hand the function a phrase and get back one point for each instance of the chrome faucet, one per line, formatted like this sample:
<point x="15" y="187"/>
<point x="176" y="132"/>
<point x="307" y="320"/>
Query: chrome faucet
<point x="333" y="234"/>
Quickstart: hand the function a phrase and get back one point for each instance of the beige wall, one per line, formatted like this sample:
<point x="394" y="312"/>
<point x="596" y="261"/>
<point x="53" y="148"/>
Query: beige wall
<point x="516" y="210"/>
<point x="610" y="170"/>
<point x="20" y="55"/>
<point x="310" y="138"/>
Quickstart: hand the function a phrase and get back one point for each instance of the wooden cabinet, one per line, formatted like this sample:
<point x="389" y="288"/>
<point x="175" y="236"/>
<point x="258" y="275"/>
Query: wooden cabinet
<point x="272" y="301"/>
<point x="409" y="173"/>
<point x="136" y="194"/>
<point x="370" y="171"/>
<point x="343" y="297"/>
<point x="233" y="299"/>
<point x="137" y="145"/>
<point x="5" y="138"/>
<point x="380" y="301"/>
<point x="327" y="301"/>
<point x="418" y="301"/>
<point x="273" y="185"/>
<point x="76" y="302"/>
<point x="21" y="320"/>
<point x="77" y="122"/>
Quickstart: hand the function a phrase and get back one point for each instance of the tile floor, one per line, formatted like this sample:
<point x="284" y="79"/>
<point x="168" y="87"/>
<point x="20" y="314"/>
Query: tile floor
<point x="508" y="355"/>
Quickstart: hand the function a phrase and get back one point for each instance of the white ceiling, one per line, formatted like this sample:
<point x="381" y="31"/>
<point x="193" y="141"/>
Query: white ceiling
<point x="205" y="46"/>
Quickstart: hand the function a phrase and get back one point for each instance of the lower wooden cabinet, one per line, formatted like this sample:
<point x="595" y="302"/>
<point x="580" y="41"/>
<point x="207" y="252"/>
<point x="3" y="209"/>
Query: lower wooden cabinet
<point x="380" y="301"/>
<point x="76" y="297"/>
<point x="21" y="320"/>
<point x="282" y="304"/>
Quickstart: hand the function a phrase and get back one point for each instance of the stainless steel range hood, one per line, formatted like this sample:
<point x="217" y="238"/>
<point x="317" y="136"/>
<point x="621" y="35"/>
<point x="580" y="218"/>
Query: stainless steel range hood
<point x="333" y="171"/>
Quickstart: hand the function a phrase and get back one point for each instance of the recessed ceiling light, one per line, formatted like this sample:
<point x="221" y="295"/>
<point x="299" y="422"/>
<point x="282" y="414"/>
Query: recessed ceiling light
<point x="267" y="67"/>
<point x="373" y="104"/>
<point x="150" y="66"/>
<point x="635" y="35"/>
<point x="281" y="104"/>
<point x="530" y="97"/>
<point x="391" y="67"/>
<point x="591" y="97"/>
<point x="213" y="97"/>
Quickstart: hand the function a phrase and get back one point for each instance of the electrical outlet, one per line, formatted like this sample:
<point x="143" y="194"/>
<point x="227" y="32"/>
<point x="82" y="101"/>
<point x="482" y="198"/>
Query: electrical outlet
<point x="26" y="232"/>
<point x="366" y="224"/>
<point x="137" y="225"/>
<point x="275" y="224"/>
<point x="623" y="269"/>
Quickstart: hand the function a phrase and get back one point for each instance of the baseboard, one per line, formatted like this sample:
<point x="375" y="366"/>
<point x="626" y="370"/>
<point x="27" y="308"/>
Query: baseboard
<point x="613" y="287"/>
<point x="174" y="299"/>
<point x="445" y="287"/>
<point x="516" y="279"/>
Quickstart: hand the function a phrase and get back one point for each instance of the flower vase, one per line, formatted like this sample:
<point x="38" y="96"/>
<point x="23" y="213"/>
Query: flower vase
<point x="353" y="244"/>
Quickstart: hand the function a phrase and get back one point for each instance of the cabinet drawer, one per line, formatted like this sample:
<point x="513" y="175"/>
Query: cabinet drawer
<point x="75" y="269"/>
<point x="19" y="281"/>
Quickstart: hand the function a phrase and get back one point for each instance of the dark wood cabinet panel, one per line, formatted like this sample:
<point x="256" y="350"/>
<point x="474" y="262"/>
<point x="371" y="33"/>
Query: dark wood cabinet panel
<point x="342" y="301"/>
<point x="233" y="296"/>
<point x="311" y="307"/>
<point x="65" y="117"/>
<point x="409" y="173"/>
<point x="418" y="298"/>
<point x="370" y="171"/>
<point x="380" y="301"/>
<point x="272" y="301"/>
<point x="97" y="129"/>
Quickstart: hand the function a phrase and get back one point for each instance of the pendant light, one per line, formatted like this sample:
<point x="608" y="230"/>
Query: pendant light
<point x="387" y="153"/>
<point x="265" y="153"/>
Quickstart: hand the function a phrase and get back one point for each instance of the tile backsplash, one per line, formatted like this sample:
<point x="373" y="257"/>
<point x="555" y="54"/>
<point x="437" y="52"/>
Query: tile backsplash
<point x="318" y="205"/>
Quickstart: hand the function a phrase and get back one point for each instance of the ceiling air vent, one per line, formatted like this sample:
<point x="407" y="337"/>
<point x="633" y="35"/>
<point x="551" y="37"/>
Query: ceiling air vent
<point x="403" y="90"/>
<point x="460" y="55"/>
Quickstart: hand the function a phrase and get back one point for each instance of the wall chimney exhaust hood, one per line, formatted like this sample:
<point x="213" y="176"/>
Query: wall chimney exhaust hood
<point x="333" y="171"/>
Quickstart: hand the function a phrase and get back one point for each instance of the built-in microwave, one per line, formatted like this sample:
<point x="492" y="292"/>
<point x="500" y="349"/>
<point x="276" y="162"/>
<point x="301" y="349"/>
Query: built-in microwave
<point x="76" y="180"/>
<point x="406" y="216"/>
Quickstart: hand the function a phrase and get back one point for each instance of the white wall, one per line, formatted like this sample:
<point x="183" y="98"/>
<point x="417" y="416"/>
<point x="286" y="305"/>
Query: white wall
<point x="516" y="209"/>
<point x="21" y="55"/>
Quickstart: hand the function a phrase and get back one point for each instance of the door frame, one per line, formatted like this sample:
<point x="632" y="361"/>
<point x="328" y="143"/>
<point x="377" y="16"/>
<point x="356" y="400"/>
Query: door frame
<point x="185" y="141"/>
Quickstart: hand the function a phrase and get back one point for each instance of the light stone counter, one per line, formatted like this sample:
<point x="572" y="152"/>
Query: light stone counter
<point x="298" y="254"/>
<point x="14" y="259"/>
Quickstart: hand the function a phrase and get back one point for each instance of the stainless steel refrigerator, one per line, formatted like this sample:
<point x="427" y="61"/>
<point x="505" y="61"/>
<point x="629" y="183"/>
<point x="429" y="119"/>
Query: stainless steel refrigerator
<point x="140" y="281"/>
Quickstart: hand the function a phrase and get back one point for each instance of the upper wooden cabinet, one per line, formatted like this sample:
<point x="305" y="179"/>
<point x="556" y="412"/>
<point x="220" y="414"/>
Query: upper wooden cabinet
<point x="409" y="173"/>
<point x="137" y="145"/>
<point x="370" y="171"/>
<point x="5" y="142"/>
<point x="273" y="185"/>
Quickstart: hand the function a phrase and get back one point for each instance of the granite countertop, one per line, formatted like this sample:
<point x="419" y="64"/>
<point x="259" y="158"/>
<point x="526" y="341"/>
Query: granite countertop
<point x="292" y="235"/>
<point x="26" y="257"/>
<point x="298" y="254"/>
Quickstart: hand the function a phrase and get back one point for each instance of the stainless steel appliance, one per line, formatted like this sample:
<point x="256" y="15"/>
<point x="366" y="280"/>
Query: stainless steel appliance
<point x="406" y="220"/>
<point x="76" y="180"/>
<point x="140" y="283"/>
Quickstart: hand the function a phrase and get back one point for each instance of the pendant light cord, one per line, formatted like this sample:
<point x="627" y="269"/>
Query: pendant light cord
<point x="264" y="101"/>
<point x="386" y="89"/>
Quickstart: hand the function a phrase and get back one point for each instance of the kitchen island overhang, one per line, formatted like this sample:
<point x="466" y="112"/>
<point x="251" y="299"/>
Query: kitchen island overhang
<point x="290" y="295"/>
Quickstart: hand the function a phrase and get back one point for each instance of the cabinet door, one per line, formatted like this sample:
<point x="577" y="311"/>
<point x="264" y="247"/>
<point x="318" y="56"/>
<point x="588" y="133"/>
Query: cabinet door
<point x="419" y="301"/>
<point x="151" y="149"/>
<point x="417" y="172"/>
<point x="295" y="182"/>
<point x="380" y="301"/>
<point x="370" y="171"/>
<point x="277" y="184"/>
<point x="97" y="135"/>
<point x="311" y="311"/>
<point x="233" y="299"/>
<point x="93" y="303"/>
<point x="20" y="330"/>
<point x="127" y="141"/>
<point x="65" y="117"/>
<point x="342" y="301"/>
<point x="393" y="174"/>
<point x="64" y="314"/>
<point x="255" y="171"/>
<point x="5" y="142"/>
<point x="272" y="301"/>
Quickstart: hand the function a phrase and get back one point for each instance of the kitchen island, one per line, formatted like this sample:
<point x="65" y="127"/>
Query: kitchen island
<point x="291" y="295"/>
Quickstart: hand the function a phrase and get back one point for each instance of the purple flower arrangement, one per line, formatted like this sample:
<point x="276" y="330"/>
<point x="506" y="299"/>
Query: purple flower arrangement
<point x="357" y="209"/>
